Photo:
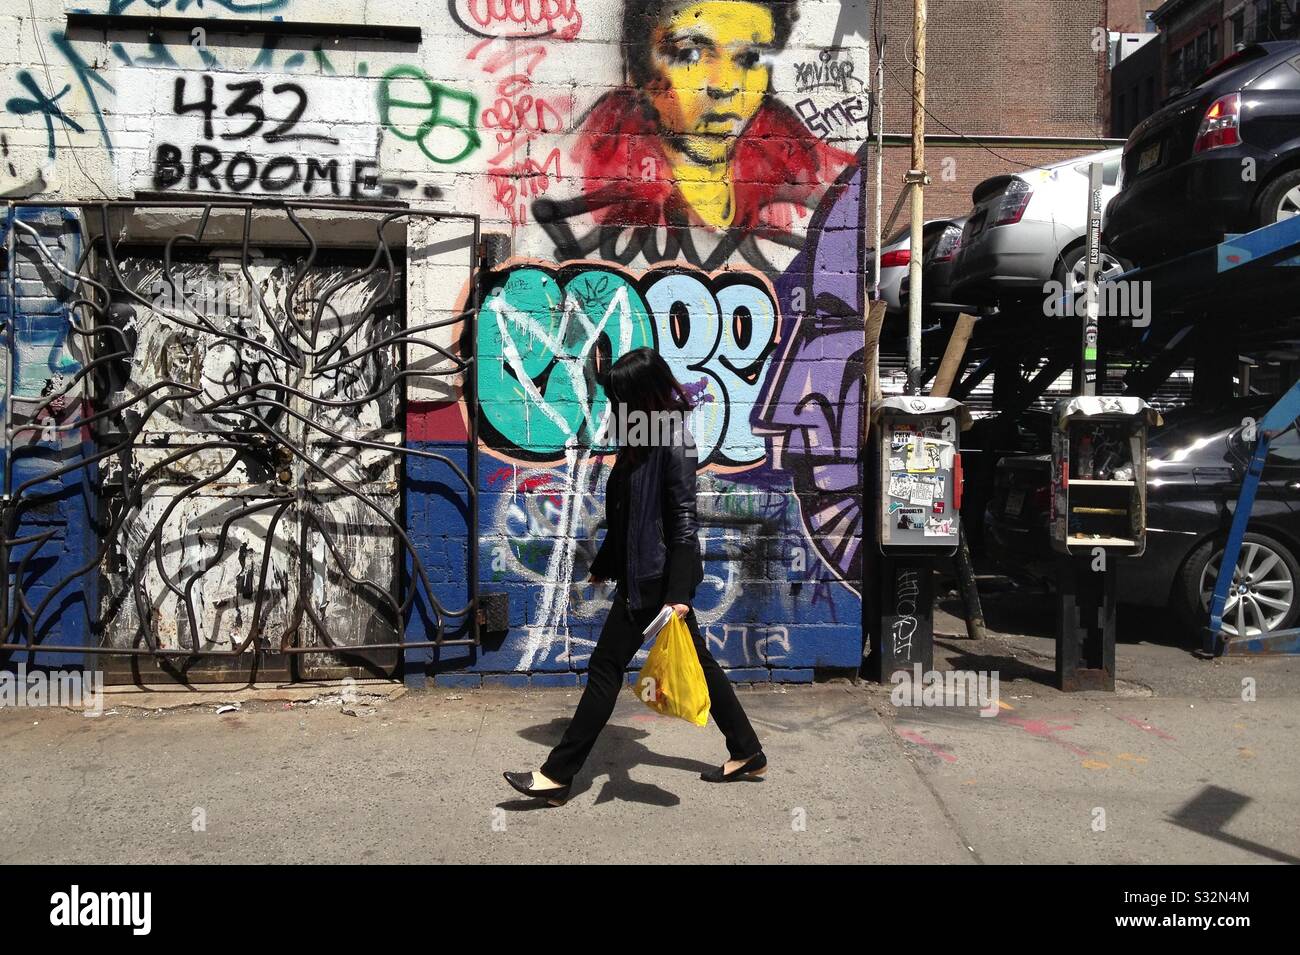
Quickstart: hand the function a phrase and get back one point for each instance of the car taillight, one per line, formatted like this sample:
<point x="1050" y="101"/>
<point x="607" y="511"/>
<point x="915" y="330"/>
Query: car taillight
<point x="948" y="245"/>
<point x="1011" y="206"/>
<point x="1040" y="499"/>
<point x="1221" y="125"/>
<point x="891" y="260"/>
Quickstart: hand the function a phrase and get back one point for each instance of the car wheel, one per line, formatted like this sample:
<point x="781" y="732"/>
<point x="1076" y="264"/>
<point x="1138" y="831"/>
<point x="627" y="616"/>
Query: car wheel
<point x="1072" y="268"/>
<point x="1263" y="597"/>
<point x="1280" y="199"/>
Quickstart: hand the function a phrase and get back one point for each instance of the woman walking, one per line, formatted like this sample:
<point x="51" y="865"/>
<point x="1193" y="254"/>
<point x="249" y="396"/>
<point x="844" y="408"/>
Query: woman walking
<point x="652" y="550"/>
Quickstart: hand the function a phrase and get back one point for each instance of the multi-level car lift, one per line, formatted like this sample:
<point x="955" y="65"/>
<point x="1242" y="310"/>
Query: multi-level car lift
<point x="1281" y="417"/>
<point x="1208" y="306"/>
<point x="1257" y="270"/>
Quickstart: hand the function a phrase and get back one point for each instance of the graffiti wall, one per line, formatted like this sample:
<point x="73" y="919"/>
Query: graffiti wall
<point x="681" y="174"/>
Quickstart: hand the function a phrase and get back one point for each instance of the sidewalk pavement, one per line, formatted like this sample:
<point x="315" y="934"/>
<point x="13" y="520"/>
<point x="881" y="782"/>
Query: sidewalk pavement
<point x="1177" y="766"/>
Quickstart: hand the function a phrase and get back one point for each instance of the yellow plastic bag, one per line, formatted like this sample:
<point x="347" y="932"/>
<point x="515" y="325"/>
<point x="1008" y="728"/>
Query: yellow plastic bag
<point x="672" y="680"/>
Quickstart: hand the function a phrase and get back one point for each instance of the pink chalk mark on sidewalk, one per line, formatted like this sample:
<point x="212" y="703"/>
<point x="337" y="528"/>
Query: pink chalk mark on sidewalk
<point x="914" y="737"/>
<point x="1044" y="730"/>
<point x="1145" y="726"/>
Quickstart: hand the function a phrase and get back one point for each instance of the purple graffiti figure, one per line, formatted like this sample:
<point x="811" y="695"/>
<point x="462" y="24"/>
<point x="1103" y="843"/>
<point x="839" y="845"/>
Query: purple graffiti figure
<point x="810" y="405"/>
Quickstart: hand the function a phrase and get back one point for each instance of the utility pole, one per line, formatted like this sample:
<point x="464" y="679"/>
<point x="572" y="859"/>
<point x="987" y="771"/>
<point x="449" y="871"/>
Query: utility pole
<point x="1086" y="380"/>
<point x="916" y="179"/>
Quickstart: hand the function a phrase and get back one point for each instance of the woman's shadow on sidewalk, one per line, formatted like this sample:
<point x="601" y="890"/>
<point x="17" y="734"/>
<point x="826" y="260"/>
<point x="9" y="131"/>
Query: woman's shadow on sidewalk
<point x="618" y="750"/>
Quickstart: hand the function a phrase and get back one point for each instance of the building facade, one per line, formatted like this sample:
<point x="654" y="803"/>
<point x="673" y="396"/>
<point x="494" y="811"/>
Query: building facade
<point x="1193" y="35"/>
<point x="1022" y="82"/>
<point x="308" y="304"/>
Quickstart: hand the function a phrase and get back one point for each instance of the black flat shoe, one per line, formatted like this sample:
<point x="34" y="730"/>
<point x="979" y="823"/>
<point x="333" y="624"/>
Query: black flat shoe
<point x="752" y="768"/>
<point x="523" y="782"/>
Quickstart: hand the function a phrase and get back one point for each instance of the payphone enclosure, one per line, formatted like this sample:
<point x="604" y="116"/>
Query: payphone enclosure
<point x="919" y="452"/>
<point x="1099" y="463"/>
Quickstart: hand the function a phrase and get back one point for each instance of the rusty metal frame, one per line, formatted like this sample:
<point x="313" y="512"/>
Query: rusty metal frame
<point x="15" y="608"/>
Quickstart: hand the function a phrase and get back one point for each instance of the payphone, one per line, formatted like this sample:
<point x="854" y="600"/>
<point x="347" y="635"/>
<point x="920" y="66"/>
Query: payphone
<point x="1098" y="516"/>
<point x="917" y="450"/>
<point x="918" y="447"/>
<point x="1099" y="462"/>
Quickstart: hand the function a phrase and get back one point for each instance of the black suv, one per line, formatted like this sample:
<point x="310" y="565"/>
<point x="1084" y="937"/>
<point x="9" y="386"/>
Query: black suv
<point x="1224" y="157"/>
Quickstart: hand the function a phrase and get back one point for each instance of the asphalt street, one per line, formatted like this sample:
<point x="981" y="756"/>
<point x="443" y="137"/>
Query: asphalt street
<point x="1174" y="767"/>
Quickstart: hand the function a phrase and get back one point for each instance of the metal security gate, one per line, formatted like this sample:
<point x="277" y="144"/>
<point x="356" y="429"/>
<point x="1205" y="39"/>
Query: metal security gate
<point x="245" y="408"/>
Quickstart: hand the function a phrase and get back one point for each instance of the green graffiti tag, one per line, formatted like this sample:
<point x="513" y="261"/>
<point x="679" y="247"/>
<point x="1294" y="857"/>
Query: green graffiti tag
<point x="543" y="336"/>
<point x="412" y="107"/>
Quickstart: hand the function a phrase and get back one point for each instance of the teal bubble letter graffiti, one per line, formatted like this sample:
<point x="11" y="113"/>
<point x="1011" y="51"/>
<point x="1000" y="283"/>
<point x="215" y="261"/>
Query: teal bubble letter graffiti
<point x="541" y="342"/>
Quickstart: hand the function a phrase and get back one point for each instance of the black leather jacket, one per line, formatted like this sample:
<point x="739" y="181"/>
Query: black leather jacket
<point x="663" y="564"/>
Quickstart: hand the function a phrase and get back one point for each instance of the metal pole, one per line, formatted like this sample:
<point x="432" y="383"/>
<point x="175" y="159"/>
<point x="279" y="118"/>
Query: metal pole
<point x="6" y="513"/>
<point x="916" y="176"/>
<point x="1088" y="364"/>
<point x="880" y="154"/>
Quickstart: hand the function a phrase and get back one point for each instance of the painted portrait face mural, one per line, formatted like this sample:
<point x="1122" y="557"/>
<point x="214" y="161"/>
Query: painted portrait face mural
<point x="695" y="137"/>
<point x="708" y="79"/>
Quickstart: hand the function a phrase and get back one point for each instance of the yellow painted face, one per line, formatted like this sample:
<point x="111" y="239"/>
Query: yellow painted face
<point x="711" y="73"/>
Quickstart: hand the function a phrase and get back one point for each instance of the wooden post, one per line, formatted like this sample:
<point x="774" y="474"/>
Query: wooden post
<point x="952" y="356"/>
<point x="962" y="564"/>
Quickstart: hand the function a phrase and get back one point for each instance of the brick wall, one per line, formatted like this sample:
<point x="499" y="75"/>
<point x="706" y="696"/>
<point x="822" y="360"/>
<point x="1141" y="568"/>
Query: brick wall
<point x="613" y="193"/>
<point x="1001" y="67"/>
<point x="993" y="68"/>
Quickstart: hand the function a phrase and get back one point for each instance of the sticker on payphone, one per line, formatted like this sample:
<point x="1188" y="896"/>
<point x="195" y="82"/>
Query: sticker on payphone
<point x="911" y="519"/>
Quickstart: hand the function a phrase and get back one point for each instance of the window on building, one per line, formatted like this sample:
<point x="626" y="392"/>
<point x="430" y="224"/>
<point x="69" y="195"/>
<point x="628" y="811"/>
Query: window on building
<point x="1276" y="20"/>
<point x="1259" y="20"/>
<point x="1237" y="28"/>
<point x="1288" y="20"/>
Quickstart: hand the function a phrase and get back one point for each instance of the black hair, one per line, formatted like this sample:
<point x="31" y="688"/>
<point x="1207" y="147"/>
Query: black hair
<point x="642" y="380"/>
<point x="640" y="17"/>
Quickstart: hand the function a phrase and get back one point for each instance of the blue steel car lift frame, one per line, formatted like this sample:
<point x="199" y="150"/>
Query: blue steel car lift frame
<point x="1214" y="273"/>
<point x="1281" y="417"/>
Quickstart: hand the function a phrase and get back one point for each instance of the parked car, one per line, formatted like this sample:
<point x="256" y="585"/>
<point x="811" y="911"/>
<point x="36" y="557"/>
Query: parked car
<point x="1028" y="228"/>
<point x="1195" y="466"/>
<point x="1224" y="157"/>
<point x="942" y="243"/>
<point x="896" y="261"/>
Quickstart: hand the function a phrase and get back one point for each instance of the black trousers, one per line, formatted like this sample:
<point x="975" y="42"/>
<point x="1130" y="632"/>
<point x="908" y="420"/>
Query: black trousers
<point x="620" y="639"/>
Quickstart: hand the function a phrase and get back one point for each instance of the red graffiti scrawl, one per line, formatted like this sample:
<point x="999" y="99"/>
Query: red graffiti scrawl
<point x="519" y="18"/>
